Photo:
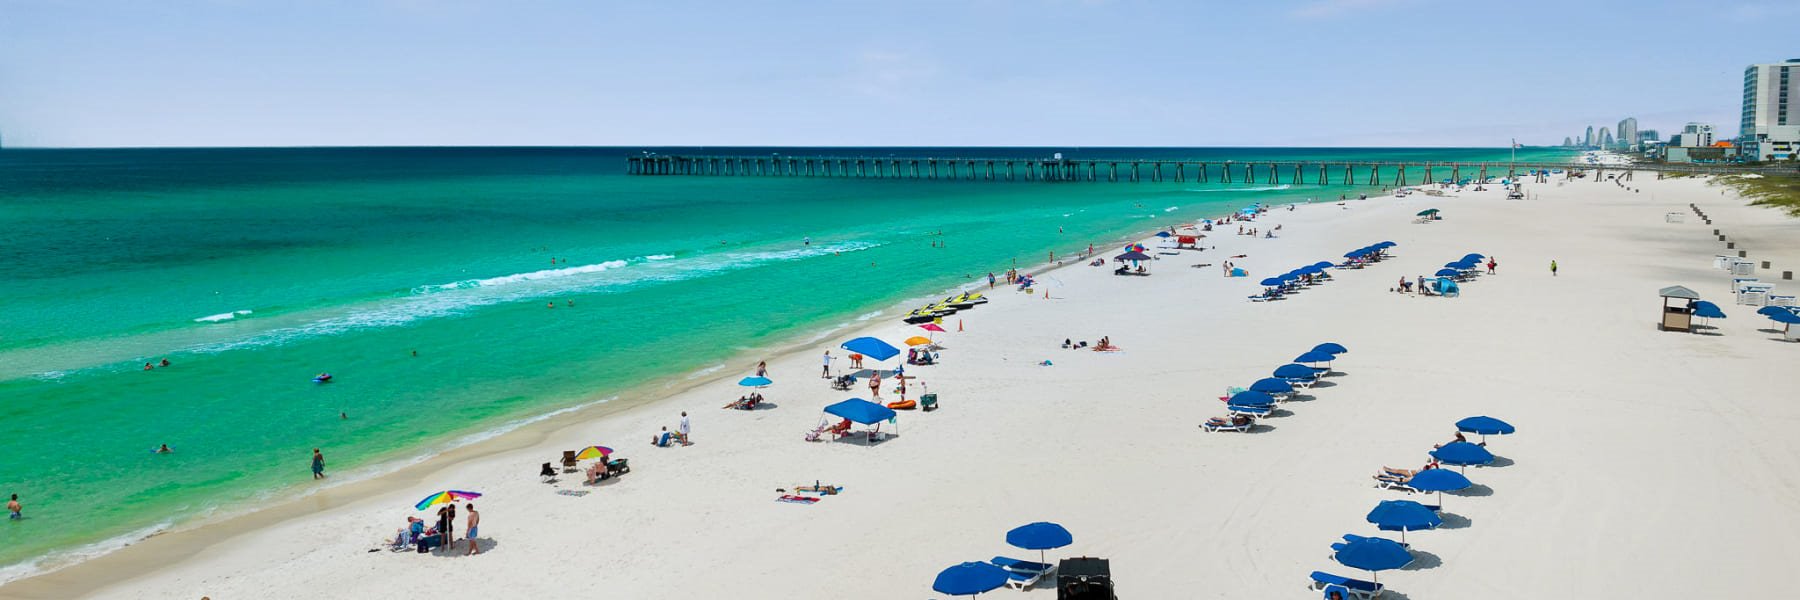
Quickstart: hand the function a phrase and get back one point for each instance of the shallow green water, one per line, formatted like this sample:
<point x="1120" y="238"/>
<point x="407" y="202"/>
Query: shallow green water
<point x="349" y="260"/>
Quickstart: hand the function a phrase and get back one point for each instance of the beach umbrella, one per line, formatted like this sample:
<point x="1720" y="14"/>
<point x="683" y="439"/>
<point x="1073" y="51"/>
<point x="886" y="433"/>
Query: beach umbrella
<point x="1447" y="273"/>
<point x="1707" y="310"/>
<point x="1287" y="276"/>
<point x="755" y="381"/>
<point x="593" y="452"/>
<point x="1403" y="516"/>
<point x="1134" y="247"/>
<point x="1315" y="356"/>
<point x="1354" y="253"/>
<point x="1427" y="212"/>
<point x="1163" y="234"/>
<point x="1785" y="317"/>
<point x="1324" y="264"/>
<point x="1462" y="454"/>
<point x="1440" y="481"/>
<point x="917" y="340"/>
<point x="931" y="327"/>
<point x="1457" y="264"/>
<point x="1040" y="536"/>
<point x="1484" y="426"/>
<point x="1372" y="554"/>
<point x="1332" y="347"/>
<point x="1472" y="257"/>
<point x="861" y="411"/>
<point x="1250" y="398"/>
<point x="871" y="347"/>
<point x="1293" y="371"/>
<point x="1386" y="244"/>
<point x="445" y="497"/>
<point x="1309" y="270"/>
<point x="1271" y="385"/>
<point x="1769" y="311"/>
<point x="1272" y="281"/>
<point x="969" y="579"/>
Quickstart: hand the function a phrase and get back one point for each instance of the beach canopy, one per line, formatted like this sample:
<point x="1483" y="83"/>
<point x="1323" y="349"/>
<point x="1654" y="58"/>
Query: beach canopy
<point x="445" y="497"/>
<point x="931" y="327"/>
<point x="1484" y="425"/>
<point x="917" y="340"/>
<point x="1427" y="212"/>
<point x="1332" y="347"/>
<point x="861" y="411"/>
<point x="969" y="579"/>
<point x="1447" y="273"/>
<point x="593" y="452"/>
<point x="1677" y="291"/>
<point x="1039" y="536"/>
<point x="1293" y="371"/>
<point x="1403" y="516"/>
<point x="1133" y="256"/>
<point x="1250" y="398"/>
<point x="1707" y="310"/>
<point x="1372" y="554"/>
<point x="1271" y="385"/>
<point x="1315" y="356"/>
<point x="1439" y="480"/>
<point x="1462" y="454"/>
<point x="871" y="347"/>
<point x="1272" y="281"/>
<point x="755" y="381"/>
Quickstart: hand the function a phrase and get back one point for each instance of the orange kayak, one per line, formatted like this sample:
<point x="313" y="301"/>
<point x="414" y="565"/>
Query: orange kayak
<point x="903" y="405"/>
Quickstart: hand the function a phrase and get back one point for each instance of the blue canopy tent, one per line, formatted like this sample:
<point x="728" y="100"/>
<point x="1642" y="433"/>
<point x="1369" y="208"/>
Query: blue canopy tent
<point x="755" y="381"/>
<point x="1040" y="536"/>
<point x="1403" y="516"/>
<point x="863" y="411"/>
<point x="871" y="347"/>
<point x="1440" y="481"/>
<point x="1271" y="385"/>
<point x="1251" y="398"/>
<point x="1332" y="347"/>
<point x="1293" y="371"/>
<point x="1448" y="287"/>
<point x="1133" y="256"/>
<point x="969" y="579"/>
<point x="1371" y="554"/>
<point x="1462" y="454"/>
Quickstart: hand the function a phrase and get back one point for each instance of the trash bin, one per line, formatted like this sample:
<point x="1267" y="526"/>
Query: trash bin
<point x="1084" y="578"/>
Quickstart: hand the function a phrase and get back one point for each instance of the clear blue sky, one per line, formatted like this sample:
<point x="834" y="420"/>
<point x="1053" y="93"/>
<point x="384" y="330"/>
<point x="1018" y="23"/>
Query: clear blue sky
<point x="851" y="72"/>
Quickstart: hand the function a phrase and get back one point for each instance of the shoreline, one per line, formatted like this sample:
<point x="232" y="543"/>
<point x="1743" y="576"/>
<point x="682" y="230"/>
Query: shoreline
<point x="178" y="541"/>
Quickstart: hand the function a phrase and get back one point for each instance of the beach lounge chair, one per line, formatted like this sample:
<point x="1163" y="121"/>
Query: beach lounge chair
<point x="1224" y="424"/>
<point x="1022" y="574"/>
<point x="1351" y="588"/>
<point x="1254" y="412"/>
<point x="1394" y="482"/>
<point x="569" y="464"/>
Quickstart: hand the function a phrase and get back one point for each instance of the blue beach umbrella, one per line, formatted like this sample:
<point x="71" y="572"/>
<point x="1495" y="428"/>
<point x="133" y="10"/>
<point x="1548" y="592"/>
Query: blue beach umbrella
<point x="861" y="411"/>
<point x="1332" y="347"/>
<point x="1472" y="257"/>
<point x="1293" y="371"/>
<point x="755" y="381"/>
<point x="1040" y="536"/>
<point x="1271" y="385"/>
<point x="1372" y="554"/>
<point x="1403" y="516"/>
<point x="1315" y="356"/>
<point x="1462" y="454"/>
<point x="1707" y="310"/>
<point x="1324" y="264"/>
<point x="1440" y="481"/>
<point x="1287" y="276"/>
<point x="872" y="348"/>
<point x="1250" y="398"/>
<point x="1273" y="282"/>
<point x="1447" y="273"/>
<point x="1769" y="311"/>
<point x="1386" y="244"/>
<point x="1309" y="270"/>
<point x="1484" y="426"/>
<point x="1163" y="234"/>
<point x="1785" y="317"/>
<point x="1354" y="253"/>
<point x="969" y="579"/>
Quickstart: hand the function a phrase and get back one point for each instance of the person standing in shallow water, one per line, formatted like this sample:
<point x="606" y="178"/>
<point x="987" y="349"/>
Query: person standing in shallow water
<point x="14" y="511"/>
<point x="318" y="464"/>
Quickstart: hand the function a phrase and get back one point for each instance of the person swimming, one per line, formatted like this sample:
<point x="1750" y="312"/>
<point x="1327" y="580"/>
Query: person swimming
<point x="164" y="363"/>
<point x="164" y="449"/>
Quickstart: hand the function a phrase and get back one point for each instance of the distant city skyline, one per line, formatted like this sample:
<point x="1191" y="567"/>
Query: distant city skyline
<point x="931" y="73"/>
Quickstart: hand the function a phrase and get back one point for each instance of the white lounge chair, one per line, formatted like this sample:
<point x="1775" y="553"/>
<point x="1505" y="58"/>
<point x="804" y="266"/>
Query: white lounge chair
<point x="1023" y="574"/>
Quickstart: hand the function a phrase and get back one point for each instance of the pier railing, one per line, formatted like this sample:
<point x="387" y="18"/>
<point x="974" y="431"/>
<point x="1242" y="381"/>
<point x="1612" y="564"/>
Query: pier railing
<point x="1134" y="170"/>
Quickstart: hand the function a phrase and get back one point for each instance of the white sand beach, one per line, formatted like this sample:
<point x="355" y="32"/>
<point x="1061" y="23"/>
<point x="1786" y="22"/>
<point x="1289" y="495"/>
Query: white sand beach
<point x="1647" y="464"/>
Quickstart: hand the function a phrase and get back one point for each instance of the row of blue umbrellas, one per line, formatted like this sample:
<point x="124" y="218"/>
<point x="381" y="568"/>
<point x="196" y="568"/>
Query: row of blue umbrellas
<point x="1369" y="251"/>
<point x="1259" y="397"/>
<point x="1288" y="278"/>
<point x="971" y="578"/>
<point x="1459" y="267"/>
<point x="1375" y="554"/>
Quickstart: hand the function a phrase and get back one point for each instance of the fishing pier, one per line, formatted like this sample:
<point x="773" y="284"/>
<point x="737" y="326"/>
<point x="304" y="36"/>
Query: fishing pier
<point x="1055" y="170"/>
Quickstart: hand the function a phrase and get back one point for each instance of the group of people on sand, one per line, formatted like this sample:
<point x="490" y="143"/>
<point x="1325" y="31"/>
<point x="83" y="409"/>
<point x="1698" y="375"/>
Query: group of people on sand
<point x="666" y="438"/>
<point x="1105" y="344"/>
<point x="417" y="535"/>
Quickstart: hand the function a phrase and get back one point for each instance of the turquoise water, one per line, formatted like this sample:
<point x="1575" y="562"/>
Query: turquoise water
<point x="252" y="270"/>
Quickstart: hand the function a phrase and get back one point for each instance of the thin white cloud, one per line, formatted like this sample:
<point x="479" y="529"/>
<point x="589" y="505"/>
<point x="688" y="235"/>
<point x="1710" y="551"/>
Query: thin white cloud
<point x="1324" y="9"/>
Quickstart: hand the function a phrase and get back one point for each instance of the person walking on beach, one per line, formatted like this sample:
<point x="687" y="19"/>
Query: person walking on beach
<point x="474" y="522"/>
<point x="1552" y="267"/>
<point x="875" y="386"/>
<point x="825" y="371"/>
<point x="685" y="430"/>
<point x="762" y="368"/>
<point x="318" y="464"/>
<point x="990" y="280"/>
<point x="1491" y="264"/>
<point x="15" y="511"/>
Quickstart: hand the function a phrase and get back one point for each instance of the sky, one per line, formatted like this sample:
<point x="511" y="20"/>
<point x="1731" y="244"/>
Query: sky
<point x="84" y="73"/>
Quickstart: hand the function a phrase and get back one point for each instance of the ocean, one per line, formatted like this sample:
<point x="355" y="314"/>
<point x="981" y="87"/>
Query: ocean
<point x="420" y="278"/>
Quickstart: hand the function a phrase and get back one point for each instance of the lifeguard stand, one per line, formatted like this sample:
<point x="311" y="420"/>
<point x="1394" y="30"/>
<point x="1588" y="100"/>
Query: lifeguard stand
<point x="1677" y="317"/>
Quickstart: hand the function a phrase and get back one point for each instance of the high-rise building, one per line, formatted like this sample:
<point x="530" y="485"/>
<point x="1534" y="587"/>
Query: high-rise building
<point x="1588" y="138"/>
<point x="1649" y="135"/>
<point x="1606" y="139"/>
<point x="1770" y="129"/>
<point x="1628" y="133"/>
<point x="1568" y="142"/>
<point x="1693" y="135"/>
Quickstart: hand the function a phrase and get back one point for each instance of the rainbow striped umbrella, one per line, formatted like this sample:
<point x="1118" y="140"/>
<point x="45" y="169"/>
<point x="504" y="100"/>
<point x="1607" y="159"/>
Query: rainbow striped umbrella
<point x="445" y="497"/>
<point x="593" y="452"/>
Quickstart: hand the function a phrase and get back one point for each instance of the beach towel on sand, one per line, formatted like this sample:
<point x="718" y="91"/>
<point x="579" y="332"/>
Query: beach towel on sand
<point x="793" y="499"/>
